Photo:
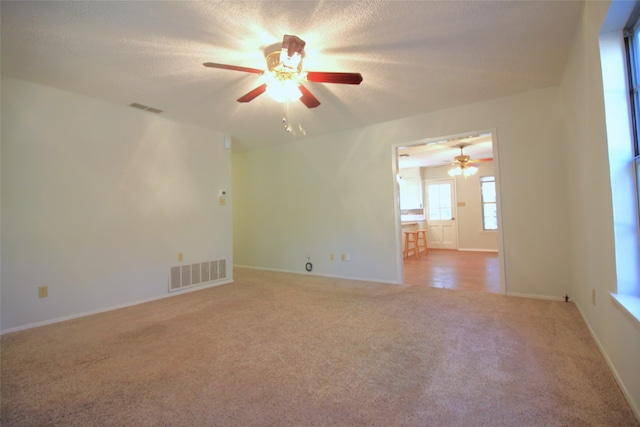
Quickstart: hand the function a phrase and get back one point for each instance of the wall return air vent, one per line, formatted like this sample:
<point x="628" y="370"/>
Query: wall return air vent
<point x="185" y="276"/>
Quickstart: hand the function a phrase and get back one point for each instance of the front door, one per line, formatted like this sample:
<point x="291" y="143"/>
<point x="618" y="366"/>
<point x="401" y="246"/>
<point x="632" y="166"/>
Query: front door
<point x="440" y="214"/>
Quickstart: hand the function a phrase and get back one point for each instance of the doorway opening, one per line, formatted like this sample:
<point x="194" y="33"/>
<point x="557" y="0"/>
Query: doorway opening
<point x="458" y="209"/>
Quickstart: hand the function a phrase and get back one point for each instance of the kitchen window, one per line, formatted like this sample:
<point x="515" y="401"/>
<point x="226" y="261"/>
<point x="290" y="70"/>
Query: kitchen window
<point x="489" y="203"/>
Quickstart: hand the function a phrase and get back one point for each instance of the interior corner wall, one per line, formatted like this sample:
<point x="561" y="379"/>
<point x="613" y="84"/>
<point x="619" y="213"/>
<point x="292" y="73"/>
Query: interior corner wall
<point x="98" y="200"/>
<point x="335" y="194"/>
<point x="593" y="265"/>
<point x="303" y="201"/>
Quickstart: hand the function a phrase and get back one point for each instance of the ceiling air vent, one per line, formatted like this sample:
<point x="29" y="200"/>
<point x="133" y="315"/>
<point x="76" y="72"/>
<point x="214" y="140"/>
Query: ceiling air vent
<point x="145" y="108"/>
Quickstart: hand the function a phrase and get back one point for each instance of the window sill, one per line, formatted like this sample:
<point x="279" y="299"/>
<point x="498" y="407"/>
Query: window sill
<point x="629" y="304"/>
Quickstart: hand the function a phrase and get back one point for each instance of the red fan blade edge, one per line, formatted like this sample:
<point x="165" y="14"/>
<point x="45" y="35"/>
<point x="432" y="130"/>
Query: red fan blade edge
<point x="329" y="77"/>
<point x="233" y="67"/>
<point x="253" y="94"/>
<point x="307" y="98"/>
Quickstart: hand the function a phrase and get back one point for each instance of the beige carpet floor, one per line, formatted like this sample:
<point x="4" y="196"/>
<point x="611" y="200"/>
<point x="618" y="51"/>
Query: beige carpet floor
<point x="277" y="349"/>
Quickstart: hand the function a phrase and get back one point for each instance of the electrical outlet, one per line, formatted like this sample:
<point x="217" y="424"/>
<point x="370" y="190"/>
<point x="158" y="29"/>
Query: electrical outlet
<point x="593" y="296"/>
<point x="43" y="291"/>
<point x="331" y="257"/>
<point x="222" y="201"/>
<point x="180" y="256"/>
<point x="343" y="257"/>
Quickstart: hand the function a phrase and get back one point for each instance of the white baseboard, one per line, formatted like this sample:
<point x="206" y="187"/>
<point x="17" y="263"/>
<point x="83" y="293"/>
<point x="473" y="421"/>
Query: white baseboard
<point x="115" y="307"/>
<point x="305" y="273"/>
<point x="543" y="297"/>
<point x="612" y="368"/>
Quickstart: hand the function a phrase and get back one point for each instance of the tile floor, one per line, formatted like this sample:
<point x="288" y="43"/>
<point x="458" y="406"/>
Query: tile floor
<point x="478" y="271"/>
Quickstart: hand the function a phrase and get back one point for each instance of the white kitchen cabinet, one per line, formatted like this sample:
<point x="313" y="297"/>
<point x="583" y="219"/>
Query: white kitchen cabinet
<point x="410" y="189"/>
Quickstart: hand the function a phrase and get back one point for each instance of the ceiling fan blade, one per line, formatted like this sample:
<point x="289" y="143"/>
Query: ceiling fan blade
<point x="307" y="97"/>
<point x="233" y="67"/>
<point x="486" y="159"/>
<point x="329" y="77"/>
<point x="253" y="94"/>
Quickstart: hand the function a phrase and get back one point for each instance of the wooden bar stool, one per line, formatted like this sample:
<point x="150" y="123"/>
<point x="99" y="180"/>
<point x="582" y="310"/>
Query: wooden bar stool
<point x="421" y="237"/>
<point x="411" y="239"/>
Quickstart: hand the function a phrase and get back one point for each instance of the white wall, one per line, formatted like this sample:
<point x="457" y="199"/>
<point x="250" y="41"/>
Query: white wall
<point x="471" y="235"/>
<point x="316" y="197"/>
<point x="98" y="200"/>
<point x="336" y="194"/>
<point x="593" y="265"/>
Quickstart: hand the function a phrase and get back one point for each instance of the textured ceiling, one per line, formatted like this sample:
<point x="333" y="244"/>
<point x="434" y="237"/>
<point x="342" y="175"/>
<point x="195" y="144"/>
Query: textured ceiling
<point x="415" y="56"/>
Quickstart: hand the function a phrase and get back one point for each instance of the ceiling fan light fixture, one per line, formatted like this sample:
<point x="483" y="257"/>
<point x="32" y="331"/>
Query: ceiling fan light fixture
<point x="455" y="171"/>
<point x="291" y="62"/>
<point x="463" y="170"/>
<point x="279" y="62"/>
<point x="468" y="171"/>
<point x="291" y="53"/>
<point x="462" y="165"/>
<point x="285" y="79"/>
<point x="283" y="76"/>
<point x="281" y="90"/>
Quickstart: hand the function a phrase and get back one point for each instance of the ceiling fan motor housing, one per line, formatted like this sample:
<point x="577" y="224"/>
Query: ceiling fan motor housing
<point x="462" y="159"/>
<point x="275" y="64"/>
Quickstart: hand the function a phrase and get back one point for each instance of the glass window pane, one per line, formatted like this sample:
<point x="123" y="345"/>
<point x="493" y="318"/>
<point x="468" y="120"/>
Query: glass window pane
<point x="636" y="109"/>
<point x="635" y="42"/>
<point x="636" y="112"/>
<point x="489" y="192"/>
<point x="633" y="54"/>
<point x="490" y="210"/>
<point x="439" y="201"/>
<point x="489" y="207"/>
<point x="638" y="179"/>
<point x="491" y="224"/>
<point x="490" y="220"/>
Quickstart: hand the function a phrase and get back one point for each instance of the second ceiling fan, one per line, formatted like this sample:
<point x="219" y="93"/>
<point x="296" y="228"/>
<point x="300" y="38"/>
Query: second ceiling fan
<point x="464" y="165"/>
<point x="464" y="161"/>
<point x="284" y="76"/>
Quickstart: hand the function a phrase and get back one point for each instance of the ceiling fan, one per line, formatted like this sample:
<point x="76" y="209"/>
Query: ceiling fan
<point x="463" y="165"/>
<point x="284" y="77"/>
<point x="465" y="161"/>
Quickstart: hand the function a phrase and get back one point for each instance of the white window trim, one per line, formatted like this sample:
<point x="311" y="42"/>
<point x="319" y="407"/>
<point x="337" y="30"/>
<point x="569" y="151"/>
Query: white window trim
<point x="624" y="196"/>
<point x="482" y="203"/>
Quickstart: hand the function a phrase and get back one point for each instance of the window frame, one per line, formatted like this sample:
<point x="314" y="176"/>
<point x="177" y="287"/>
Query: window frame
<point x="622" y="132"/>
<point x="482" y="180"/>
<point x="631" y="34"/>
